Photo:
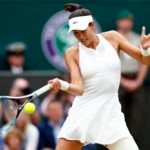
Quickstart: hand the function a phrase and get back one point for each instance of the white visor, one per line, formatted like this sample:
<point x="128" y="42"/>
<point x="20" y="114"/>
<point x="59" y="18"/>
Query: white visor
<point x="80" y="23"/>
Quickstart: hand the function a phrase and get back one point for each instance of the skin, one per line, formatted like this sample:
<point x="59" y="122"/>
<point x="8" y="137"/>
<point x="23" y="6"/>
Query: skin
<point x="55" y="112"/>
<point x="16" y="60"/>
<point x="14" y="143"/>
<point x="124" y="26"/>
<point x="89" y="39"/>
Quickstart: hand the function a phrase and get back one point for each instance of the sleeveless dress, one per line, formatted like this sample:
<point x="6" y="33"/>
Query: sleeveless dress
<point x="96" y="117"/>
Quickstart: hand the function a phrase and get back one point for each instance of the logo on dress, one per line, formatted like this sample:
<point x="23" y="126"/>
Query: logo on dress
<point x="55" y="39"/>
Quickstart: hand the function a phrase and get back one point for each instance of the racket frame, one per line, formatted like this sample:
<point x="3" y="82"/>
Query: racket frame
<point x="29" y="98"/>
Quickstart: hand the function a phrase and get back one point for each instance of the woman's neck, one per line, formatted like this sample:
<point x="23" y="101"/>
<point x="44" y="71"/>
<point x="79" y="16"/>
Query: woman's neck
<point x="95" y="42"/>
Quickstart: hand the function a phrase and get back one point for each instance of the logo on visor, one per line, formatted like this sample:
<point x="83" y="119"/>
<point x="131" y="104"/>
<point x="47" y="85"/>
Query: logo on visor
<point x="55" y="39"/>
<point x="75" y="22"/>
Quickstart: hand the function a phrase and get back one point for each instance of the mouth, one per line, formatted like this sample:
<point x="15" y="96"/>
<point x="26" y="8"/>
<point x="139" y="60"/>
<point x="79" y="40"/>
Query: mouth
<point x="85" y="42"/>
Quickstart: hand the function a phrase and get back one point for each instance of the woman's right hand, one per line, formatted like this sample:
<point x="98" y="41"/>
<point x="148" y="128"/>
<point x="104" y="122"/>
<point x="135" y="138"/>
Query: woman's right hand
<point x="145" y="39"/>
<point x="55" y="85"/>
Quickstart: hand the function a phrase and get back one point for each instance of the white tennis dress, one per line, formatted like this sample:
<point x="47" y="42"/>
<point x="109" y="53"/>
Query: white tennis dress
<point x="96" y="117"/>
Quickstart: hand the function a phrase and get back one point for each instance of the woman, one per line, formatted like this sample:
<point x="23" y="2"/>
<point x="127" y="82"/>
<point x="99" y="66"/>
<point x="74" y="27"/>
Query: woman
<point x="94" y="66"/>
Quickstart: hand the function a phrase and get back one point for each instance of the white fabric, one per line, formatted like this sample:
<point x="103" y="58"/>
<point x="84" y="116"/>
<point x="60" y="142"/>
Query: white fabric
<point x="124" y="144"/>
<point x="64" y="86"/>
<point x="16" y="70"/>
<point x="145" y="52"/>
<point x="96" y="117"/>
<point x="80" y="23"/>
<point x="32" y="137"/>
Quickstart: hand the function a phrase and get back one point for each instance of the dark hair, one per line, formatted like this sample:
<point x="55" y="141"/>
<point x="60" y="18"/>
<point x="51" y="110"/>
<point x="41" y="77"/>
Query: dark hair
<point x="76" y="10"/>
<point x="25" y="90"/>
<point x="9" y="53"/>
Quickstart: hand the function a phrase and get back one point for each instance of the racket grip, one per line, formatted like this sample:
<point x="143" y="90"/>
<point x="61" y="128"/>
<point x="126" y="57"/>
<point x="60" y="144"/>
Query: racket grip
<point x="42" y="90"/>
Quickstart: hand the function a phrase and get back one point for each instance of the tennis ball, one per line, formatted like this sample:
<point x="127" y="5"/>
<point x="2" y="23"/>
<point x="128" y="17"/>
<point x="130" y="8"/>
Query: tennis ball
<point x="29" y="108"/>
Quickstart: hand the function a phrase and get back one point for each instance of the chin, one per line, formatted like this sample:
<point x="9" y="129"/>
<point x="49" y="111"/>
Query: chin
<point x="86" y="44"/>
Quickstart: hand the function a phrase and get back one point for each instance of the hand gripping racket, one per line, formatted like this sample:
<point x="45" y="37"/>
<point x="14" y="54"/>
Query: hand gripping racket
<point x="10" y="107"/>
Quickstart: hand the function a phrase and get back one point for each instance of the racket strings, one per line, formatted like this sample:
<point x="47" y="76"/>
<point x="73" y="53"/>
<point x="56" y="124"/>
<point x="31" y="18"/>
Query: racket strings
<point x="3" y="119"/>
<point x="8" y="112"/>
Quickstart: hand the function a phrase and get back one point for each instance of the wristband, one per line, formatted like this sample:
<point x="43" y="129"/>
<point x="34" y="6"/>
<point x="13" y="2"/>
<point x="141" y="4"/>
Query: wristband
<point x="64" y="86"/>
<point x="145" y="52"/>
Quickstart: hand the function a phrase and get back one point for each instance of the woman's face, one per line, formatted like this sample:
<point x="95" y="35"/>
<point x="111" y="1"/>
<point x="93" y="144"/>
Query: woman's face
<point x="85" y="36"/>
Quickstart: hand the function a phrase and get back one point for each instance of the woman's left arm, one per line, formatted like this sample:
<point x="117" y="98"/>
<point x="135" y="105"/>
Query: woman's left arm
<point x="143" y="54"/>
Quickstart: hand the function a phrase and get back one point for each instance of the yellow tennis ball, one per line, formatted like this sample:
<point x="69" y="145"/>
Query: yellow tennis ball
<point x="29" y="108"/>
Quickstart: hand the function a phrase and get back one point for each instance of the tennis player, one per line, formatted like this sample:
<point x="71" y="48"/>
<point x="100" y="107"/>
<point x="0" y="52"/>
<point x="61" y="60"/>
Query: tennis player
<point x="94" y="66"/>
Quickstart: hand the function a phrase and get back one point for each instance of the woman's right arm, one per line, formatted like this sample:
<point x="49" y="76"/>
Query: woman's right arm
<point x="71" y="59"/>
<point x="76" y="85"/>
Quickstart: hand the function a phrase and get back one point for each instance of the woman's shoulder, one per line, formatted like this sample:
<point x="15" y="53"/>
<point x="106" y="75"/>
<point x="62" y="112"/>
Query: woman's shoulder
<point x="109" y="34"/>
<point x="113" y="37"/>
<point x="72" y="51"/>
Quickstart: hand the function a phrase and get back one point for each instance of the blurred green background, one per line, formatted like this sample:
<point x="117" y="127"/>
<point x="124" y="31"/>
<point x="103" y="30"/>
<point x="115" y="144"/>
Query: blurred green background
<point x="23" y="20"/>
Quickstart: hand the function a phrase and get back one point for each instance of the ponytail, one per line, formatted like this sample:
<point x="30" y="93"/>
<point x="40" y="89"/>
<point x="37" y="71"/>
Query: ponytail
<point x="76" y="10"/>
<point x="72" y="7"/>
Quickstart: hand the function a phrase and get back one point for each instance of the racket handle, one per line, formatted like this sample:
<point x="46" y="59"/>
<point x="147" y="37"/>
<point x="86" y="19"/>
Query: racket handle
<point x="42" y="90"/>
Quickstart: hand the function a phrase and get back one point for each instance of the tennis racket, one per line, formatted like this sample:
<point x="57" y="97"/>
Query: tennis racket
<point x="10" y="107"/>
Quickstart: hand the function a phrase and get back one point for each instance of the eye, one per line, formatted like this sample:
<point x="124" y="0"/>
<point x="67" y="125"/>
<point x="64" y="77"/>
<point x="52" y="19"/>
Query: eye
<point x="76" y="33"/>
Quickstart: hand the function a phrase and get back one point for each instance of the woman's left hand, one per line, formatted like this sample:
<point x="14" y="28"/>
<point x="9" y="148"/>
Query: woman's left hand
<point x="145" y="39"/>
